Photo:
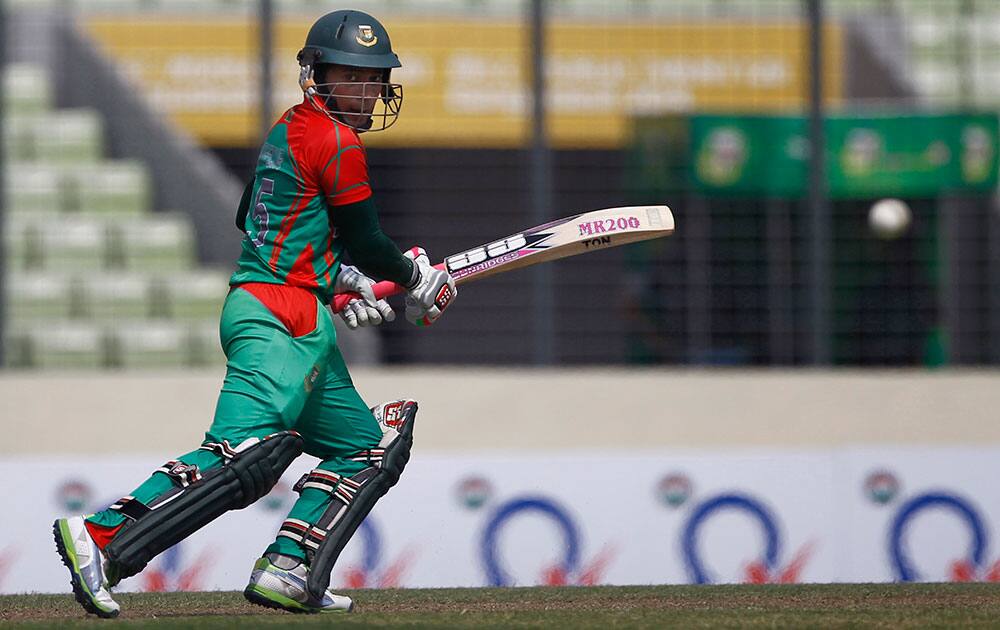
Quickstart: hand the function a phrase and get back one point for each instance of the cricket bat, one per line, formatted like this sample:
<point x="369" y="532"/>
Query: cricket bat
<point x="598" y="229"/>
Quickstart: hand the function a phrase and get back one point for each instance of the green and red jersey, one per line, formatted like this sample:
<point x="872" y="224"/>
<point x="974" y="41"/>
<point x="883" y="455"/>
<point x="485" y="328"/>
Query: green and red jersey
<point x="307" y="164"/>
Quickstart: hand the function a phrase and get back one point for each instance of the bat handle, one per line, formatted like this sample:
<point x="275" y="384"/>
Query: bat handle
<point x="383" y="289"/>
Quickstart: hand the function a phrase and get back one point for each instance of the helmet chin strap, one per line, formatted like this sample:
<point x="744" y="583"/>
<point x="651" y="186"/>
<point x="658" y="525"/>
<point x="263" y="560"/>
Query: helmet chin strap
<point x="306" y="81"/>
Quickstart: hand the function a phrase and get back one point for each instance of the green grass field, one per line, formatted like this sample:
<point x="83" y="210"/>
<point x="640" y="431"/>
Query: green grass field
<point x="828" y="605"/>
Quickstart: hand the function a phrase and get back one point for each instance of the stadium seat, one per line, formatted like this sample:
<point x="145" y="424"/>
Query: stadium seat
<point x="115" y="296"/>
<point x="68" y="345"/>
<point x="38" y="296"/>
<point x="73" y="243"/>
<point x="23" y="237"/>
<point x="158" y="243"/>
<point x="18" y="138"/>
<point x="68" y="136"/>
<point x="988" y="31"/>
<point x="63" y="136"/>
<point x="110" y="187"/>
<point x="32" y="188"/>
<point x="16" y="234"/>
<point x="34" y="4"/>
<point x="27" y="89"/>
<point x="213" y="5"/>
<point x="936" y="80"/>
<point x="114" y="6"/>
<point x="166" y="6"/>
<point x="149" y="344"/>
<point x="15" y="345"/>
<point x="195" y="295"/>
<point x="928" y="32"/>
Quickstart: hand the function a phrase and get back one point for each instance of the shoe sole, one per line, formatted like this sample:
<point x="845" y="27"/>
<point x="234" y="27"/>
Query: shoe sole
<point x="274" y="600"/>
<point x="79" y="588"/>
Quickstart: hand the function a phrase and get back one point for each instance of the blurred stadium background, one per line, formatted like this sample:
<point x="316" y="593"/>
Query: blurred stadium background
<point x="769" y="126"/>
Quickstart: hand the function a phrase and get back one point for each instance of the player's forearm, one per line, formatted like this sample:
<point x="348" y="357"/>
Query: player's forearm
<point x="369" y="248"/>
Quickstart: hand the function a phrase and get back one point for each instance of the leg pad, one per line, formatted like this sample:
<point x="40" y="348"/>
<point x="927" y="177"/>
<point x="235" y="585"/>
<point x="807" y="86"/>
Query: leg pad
<point x="352" y="498"/>
<point x="248" y="472"/>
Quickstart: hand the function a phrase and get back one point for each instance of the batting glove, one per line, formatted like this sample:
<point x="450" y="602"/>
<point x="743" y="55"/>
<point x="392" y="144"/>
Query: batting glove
<point x="366" y="311"/>
<point x="432" y="292"/>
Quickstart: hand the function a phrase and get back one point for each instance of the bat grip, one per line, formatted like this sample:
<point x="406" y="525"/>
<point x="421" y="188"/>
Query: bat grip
<point x="382" y="290"/>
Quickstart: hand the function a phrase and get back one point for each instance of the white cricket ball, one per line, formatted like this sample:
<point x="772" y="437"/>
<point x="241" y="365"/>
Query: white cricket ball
<point x="888" y="218"/>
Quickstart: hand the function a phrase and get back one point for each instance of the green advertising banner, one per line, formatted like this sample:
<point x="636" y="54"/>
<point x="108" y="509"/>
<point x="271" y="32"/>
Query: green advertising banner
<point x="903" y="155"/>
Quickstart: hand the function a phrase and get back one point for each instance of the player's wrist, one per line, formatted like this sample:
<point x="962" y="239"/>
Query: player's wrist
<point x="415" y="276"/>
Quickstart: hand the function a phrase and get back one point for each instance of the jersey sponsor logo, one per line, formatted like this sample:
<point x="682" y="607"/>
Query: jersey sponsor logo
<point x="366" y="36"/>
<point x="612" y="224"/>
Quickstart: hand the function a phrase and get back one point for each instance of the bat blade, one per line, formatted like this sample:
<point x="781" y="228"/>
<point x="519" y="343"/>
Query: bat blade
<point x="570" y="236"/>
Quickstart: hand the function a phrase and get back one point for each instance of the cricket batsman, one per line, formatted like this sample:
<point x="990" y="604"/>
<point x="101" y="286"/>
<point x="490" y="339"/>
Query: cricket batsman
<point x="287" y="390"/>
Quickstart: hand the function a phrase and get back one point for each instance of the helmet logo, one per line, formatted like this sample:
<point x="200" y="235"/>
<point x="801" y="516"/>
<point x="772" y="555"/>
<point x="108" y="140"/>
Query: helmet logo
<point x="366" y="36"/>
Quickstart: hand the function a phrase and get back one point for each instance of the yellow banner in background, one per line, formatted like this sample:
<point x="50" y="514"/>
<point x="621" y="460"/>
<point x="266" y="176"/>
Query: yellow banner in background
<point x="467" y="83"/>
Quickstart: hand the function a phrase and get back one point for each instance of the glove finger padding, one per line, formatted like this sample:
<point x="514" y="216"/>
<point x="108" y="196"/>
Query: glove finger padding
<point x="349" y="315"/>
<point x="385" y="311"/>
<point x="351" y="280"/>
<point x="367" y="311"/>
<point x="365" y="314"/>
<point x="357" y="314"/>
<point x="366" y="292"/>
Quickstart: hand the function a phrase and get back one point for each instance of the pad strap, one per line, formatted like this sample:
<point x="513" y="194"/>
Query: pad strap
<point x="180" y="473"/>
<point x="222" y="449"/>
<point x="323" y="480"/>
<point x="370" y="456"/>
<point x="130" y="507"/>
<point x="309" y="536"/>
<point x="342" y="491"/>
<point x="183" y="475"/>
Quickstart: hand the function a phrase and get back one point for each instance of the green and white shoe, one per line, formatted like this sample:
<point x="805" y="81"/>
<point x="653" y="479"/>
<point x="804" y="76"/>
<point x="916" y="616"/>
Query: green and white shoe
<point x="279" y="581"/>
<point x="85" y="562"/>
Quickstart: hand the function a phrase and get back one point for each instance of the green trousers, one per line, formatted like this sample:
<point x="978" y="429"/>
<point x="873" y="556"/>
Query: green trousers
<point x="276" y="382"/>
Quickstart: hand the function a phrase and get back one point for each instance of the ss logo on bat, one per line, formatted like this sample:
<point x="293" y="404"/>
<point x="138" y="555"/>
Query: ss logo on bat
<point x="481" y="254"/>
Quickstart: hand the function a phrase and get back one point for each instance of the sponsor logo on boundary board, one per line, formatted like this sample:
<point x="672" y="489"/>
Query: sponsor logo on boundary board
<point x="466" y="81"/>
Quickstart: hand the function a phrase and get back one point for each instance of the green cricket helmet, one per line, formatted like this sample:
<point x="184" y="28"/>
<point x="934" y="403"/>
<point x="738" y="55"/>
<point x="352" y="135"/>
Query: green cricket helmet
<point x="355" y="39"/>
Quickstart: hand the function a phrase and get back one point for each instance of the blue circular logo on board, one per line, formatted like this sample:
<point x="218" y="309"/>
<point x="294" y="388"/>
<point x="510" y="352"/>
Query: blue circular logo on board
<point x="704" y="512"/>
<point x="962" y="509"/>
<point x="496" y="574"/>
<point x="371" y="545"/>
